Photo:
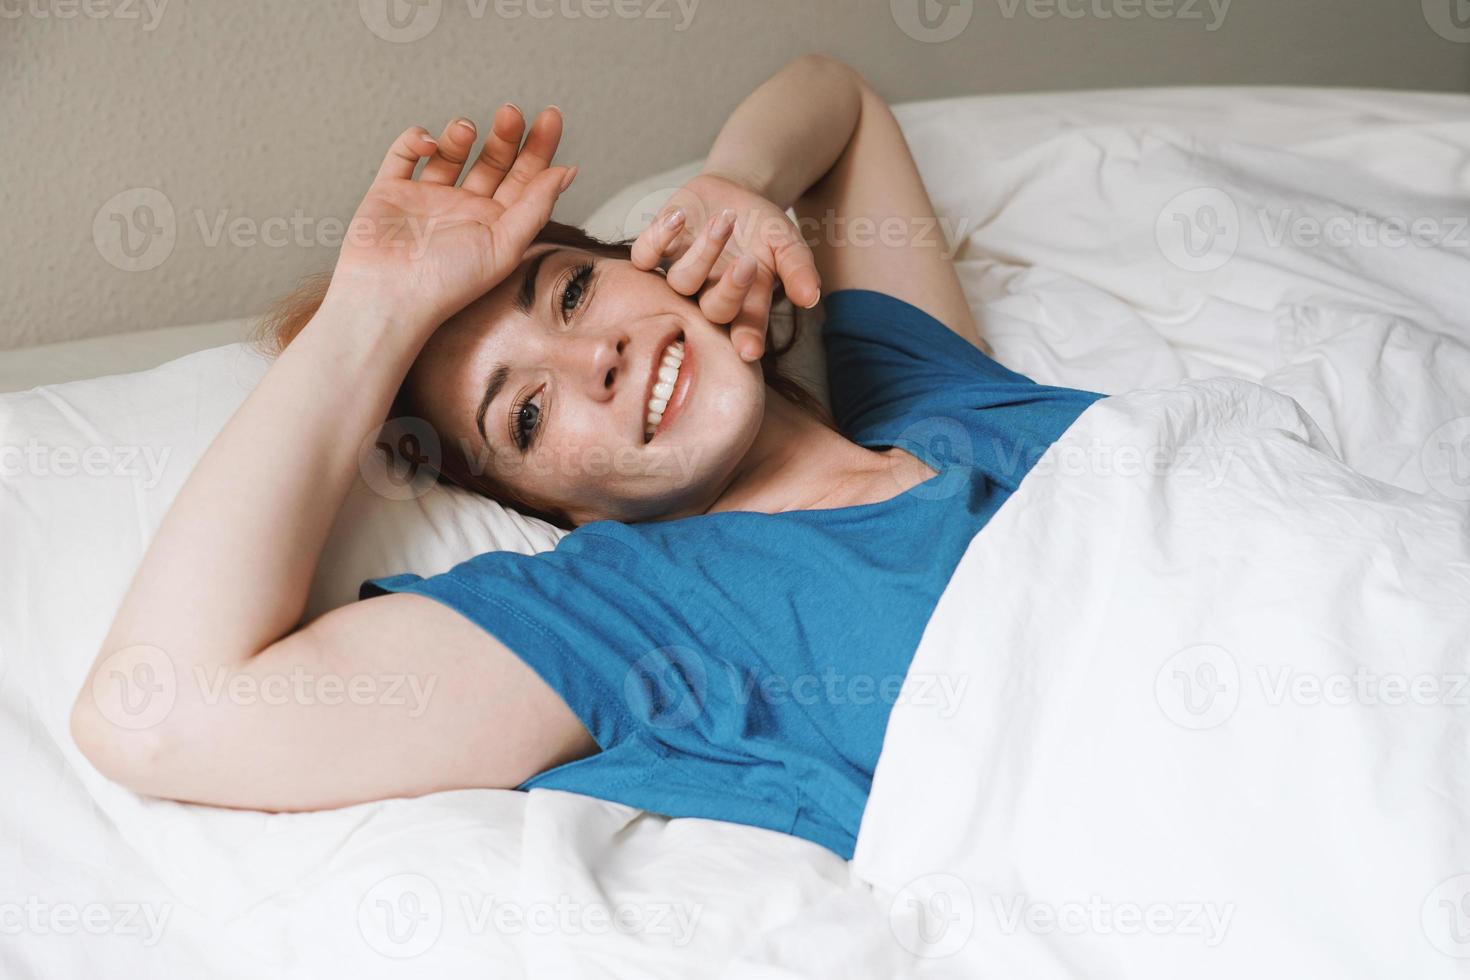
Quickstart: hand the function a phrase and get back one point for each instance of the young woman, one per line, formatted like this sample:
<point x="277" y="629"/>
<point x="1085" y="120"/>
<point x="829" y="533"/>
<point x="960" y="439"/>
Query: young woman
<point x="723" y="633"/>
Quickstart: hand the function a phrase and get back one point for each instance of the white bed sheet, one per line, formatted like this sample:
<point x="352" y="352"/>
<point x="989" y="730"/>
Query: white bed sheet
<point x="1059" y="196"/>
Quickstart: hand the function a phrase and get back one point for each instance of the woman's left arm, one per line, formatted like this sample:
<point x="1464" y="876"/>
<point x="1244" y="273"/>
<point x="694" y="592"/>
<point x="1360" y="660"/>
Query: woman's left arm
<point x="815" y="136"/>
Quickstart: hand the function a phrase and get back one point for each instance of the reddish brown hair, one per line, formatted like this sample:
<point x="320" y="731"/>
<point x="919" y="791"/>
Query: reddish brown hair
<point x="287" y="318"/>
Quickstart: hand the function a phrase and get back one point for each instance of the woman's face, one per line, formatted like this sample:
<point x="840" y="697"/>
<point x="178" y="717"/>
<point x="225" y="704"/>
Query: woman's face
<point x="546" y="384"/>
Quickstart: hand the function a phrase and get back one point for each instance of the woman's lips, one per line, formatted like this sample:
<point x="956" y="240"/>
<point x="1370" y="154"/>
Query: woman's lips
<point x="680" y="394"/>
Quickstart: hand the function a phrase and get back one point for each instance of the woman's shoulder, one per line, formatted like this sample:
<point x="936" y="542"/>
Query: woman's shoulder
<point x="899" y="337"/>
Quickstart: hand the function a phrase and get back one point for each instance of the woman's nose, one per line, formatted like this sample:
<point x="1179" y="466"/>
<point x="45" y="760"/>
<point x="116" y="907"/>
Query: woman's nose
<point x="600" y="362"/>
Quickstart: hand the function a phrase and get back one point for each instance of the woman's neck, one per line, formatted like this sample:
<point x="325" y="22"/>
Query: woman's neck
<point x="797" y="463"/>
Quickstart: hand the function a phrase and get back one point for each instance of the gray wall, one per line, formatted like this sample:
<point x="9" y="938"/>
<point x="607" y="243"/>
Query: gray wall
<point x="227" y="136"/>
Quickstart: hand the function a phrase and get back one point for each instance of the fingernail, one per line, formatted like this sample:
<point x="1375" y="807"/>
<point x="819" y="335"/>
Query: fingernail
<point x="725" y="219"/>
<point x="749" y="352"/>
<point x="815" y="301"/>
<point x="512" y="105"/>
<point x="558" y="110"/>
<point x="674" y="218"/>
<point x="430" y="140"/>
<point x="465" y="124"/>
<point x="567" y="179"/>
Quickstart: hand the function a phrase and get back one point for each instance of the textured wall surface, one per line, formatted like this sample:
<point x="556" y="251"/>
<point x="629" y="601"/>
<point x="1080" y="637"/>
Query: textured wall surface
<point x="178" y="161"/>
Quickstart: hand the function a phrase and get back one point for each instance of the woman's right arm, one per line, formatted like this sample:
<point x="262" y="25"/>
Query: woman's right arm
<point x="204" y="689"/>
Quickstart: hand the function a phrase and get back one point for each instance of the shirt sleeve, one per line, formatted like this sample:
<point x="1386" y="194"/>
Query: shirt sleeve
<point x="887" y="359"/>
<point x="568" y="613"/>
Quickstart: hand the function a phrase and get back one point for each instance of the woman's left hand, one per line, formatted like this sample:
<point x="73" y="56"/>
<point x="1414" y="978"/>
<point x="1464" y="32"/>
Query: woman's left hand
<point x="731" y="243"/>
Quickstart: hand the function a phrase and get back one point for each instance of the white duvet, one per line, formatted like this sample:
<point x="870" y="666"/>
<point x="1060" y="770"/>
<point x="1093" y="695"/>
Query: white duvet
<point x="1163" y="763"/>
<point x="1216" y="717"/>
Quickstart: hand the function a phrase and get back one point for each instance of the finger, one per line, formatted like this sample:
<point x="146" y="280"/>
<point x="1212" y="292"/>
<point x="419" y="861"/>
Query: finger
<point x="751" y="324"/>
<point x="689" y="274"/>
<point x="797" y="269"/>
<point x="722" y="301"/>
<point x="454" y="149"/>
<point x="498" y="153"/>
<point x="535" y="155"/>
<point x="658" y="239"/>
<point x="518" y="226"/>
<point x="411" y="145"/>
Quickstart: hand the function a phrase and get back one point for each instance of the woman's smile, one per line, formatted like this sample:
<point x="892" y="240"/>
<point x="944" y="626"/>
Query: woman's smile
<point x="669" y="385"/>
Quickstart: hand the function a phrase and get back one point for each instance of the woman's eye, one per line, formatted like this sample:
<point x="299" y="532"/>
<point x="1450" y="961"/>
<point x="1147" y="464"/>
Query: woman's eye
<point x="576" y="287"/>
<point x="526" y="418"/>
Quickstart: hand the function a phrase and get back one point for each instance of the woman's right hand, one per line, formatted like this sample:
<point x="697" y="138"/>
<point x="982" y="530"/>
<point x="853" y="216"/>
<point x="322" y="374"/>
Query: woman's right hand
<point x="422" y="250"/>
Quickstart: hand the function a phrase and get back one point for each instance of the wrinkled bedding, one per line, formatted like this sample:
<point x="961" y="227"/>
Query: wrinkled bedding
<point x="1125" y="242"/>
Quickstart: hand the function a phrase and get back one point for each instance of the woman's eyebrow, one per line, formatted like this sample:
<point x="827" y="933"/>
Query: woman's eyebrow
<point x="526" y="296"/>
<point x="497" y="381"/>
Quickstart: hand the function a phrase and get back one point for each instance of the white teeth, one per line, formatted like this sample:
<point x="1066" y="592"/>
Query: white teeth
<point x="668" y="374"/>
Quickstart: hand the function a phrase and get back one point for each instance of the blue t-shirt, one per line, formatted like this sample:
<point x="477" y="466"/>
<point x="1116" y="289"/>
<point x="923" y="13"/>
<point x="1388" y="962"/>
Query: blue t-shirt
<point x="742" y="666"/>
